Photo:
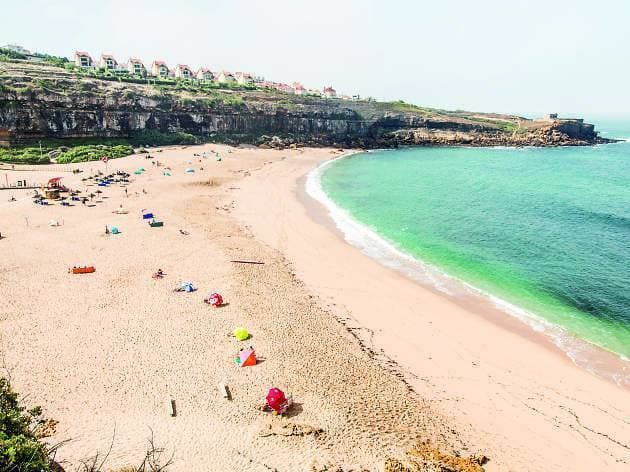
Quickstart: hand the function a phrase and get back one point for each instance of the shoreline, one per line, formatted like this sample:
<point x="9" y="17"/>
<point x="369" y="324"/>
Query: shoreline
<point x="471" y="366"/>
<point x="593" y="358"/>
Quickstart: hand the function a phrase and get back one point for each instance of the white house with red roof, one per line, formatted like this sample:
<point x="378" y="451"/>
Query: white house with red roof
<point x="108" y="62"/>
<point x="225" y="77"/>
<point x="136" y="67"/>
<point x="182" y="71"/>
<point x="298" y="88"/>
<point x="160" y="69"/>
<point x="83" y="59"/>
<point x="204" y="74"/>
<point x="329" y="92"/>
<point x="243" y="78"/>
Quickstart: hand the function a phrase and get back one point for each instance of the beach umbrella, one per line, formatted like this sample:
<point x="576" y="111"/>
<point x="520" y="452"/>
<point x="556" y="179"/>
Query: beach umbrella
<point x="241" y="334"/>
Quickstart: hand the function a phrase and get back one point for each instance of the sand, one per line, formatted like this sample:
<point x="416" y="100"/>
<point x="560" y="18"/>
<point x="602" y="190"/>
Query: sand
<point x="105" y="353"/>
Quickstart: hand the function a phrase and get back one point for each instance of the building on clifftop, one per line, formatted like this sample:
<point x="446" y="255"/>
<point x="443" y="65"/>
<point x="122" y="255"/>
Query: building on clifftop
<point x="204" y="74"/>
<point x="225" y="77"/>
<point x="160" y="69"/>
<point x="83" y="59"/>
<point x="244" y="78"/>
<point x="108" y="62"/>
<point x="182" y="71"/>
<point x="329" y="92"/>
<point x="136" y="67"/>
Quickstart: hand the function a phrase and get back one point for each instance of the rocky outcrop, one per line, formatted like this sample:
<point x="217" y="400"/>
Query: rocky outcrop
<point x="72" y="108"/>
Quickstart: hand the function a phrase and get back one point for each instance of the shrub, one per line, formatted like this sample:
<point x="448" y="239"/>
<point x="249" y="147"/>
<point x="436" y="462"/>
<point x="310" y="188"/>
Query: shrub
<point x="158" y="138"/>
<point x="20" y="448"/>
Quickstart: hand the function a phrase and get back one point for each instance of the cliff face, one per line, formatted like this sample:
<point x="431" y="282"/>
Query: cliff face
<point x="60" y="106"/>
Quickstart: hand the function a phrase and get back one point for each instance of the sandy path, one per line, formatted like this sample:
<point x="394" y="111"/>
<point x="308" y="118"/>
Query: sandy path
<point x="507" y="390"/>
<point x="104" y="353"/>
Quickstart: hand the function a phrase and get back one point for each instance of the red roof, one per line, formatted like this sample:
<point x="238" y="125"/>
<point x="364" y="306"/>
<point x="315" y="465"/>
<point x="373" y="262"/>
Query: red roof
<point x="159" y="63"/>
<point x="54" y="180"/>
<point x="82" y="53"/>
<point x="135" y="59"/>
<point x="107" y="56"/>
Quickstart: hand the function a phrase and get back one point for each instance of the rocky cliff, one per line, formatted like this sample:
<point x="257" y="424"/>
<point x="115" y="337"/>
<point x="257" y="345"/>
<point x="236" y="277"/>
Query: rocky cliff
<point x="39" y="101"/>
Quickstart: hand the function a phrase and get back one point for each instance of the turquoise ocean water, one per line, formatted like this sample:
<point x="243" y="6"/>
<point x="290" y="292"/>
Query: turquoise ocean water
<point x="545" y="229"/>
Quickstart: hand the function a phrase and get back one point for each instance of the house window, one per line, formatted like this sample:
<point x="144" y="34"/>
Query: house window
<point x="163" y="71"/>
<point x="110" y="64"/>
<point x="85" y="62"/>
<point x="186" y="73"/>
<point x="137" y="69"/>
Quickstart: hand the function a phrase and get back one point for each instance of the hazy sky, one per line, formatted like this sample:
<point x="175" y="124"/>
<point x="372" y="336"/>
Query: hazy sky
<point x="516" y="56"/>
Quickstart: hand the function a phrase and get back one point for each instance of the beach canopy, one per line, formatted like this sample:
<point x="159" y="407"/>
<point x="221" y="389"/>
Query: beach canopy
<point x="54" y="181"/>
<point x="247" y="357"/>
<point x="190" y="170"/>
<point x="241" y="334"/>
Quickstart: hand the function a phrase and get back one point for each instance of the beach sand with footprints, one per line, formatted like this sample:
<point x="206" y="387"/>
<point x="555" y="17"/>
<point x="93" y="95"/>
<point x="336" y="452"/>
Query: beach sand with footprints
<point x="106" y="353"/>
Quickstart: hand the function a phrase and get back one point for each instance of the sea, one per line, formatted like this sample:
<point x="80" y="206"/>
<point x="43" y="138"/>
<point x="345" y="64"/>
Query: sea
<point x="543" y="233"/>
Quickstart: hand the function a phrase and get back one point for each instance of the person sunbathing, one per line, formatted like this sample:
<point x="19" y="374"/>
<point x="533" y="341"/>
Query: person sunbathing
<point x="159" y="274"/>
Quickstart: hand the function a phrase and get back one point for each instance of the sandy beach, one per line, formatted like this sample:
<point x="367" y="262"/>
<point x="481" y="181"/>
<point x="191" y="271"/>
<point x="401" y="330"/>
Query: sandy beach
<point x="371" y="375"/>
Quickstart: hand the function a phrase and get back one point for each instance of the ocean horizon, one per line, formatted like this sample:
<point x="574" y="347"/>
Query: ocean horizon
<point x="543" y="232"/>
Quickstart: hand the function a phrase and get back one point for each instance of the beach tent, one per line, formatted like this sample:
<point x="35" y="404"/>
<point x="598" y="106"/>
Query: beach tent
<point x="247" y="357"/>
<point x="166" y="173"/>
<point x="190" y="170"/>
<point x="241" y="334"/>
<point x="114" y="230"/>
<point x="138" y="172"/>
<point x="54" y="182"/>
<point x="147" y="216"/>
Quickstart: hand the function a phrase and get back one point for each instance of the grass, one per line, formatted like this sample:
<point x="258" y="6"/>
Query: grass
<point x="20" y="434"/>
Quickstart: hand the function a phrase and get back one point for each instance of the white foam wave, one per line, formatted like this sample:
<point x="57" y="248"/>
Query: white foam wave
<point x="386" y="253"/>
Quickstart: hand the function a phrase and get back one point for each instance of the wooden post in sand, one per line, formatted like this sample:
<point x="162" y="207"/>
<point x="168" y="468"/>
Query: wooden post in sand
<point x="173" y="408"/>
<point x="225" y="393"/>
